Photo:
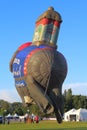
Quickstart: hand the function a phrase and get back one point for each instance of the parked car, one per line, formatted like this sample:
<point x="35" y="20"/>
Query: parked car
<point x="1" y="119"/>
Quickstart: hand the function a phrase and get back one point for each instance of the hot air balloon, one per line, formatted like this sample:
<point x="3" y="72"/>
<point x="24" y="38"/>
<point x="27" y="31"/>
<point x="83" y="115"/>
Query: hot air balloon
<point x="39" y="70"/>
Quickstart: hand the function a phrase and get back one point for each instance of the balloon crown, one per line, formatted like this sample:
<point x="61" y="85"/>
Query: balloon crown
<point x="47" y="28"/>
<point x="50" y="14"/>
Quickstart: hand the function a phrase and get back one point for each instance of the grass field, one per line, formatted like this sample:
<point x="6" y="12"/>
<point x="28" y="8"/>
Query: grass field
<point x="45" y="125"/>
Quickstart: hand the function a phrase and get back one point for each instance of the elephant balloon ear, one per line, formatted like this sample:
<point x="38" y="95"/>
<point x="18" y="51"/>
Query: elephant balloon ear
<point x="12" y="60"/>
<point x="19" y="49"/>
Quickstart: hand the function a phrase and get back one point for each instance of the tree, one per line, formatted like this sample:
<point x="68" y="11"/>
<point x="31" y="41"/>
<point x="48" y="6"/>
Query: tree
<point x="68" y="100"/>
<point x="4" y="106"/>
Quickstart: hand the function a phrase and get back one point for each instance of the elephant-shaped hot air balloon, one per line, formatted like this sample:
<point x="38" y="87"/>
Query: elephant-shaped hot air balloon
<point x="39" y="69"/>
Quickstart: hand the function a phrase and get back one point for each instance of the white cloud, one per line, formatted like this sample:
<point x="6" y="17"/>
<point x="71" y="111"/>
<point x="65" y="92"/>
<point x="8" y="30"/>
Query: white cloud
<point x="9" y="95"/>
<point x="75" y="85"/>
<point x="77" y="88"/>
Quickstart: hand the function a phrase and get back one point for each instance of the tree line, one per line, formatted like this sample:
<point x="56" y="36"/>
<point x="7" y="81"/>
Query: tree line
<point x="74" y="101"/>
<point x="70" y="101"/>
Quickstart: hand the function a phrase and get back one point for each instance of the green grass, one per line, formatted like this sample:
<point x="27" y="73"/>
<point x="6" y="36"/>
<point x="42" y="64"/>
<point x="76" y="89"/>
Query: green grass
<point x="45" y="125"/>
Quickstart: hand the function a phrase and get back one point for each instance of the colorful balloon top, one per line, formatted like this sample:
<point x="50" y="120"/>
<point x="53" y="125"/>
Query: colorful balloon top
<point x="47" y="28"/>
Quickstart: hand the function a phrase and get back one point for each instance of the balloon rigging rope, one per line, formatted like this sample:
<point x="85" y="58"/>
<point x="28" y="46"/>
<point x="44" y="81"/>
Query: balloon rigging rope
<point x="49" y="74"/>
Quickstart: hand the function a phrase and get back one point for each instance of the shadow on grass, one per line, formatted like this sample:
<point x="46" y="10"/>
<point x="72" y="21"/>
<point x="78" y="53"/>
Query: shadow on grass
<point x="79" y="128"/>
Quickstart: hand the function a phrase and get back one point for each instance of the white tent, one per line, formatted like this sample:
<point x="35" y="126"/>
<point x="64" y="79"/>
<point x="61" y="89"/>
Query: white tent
<point x="76" y="115"/>
<point x="9" y="116"/>
<point x="82" y="114"/>
<point x="16" y="115"/>
<point x="68" y="114"/>
<point x="26" y="115"/>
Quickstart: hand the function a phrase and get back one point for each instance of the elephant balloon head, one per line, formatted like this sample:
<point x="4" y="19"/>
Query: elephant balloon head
<point x="39" y="69"/>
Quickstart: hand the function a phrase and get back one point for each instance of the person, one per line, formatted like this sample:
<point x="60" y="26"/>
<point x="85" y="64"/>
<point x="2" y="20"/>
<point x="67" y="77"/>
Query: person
<point x="37" y="119"/>
<point x="24" y="119"/>
<point x="8" y="121"/>
<point x="32" y="118"/>
<point x="3" y="119"/>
